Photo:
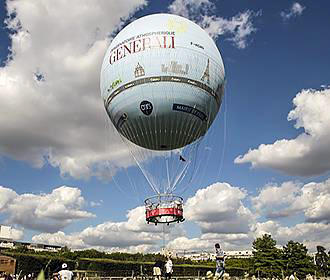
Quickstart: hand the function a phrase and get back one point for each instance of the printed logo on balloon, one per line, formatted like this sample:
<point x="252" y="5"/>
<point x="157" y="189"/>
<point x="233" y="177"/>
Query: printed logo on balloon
<point x="146" y="107"/>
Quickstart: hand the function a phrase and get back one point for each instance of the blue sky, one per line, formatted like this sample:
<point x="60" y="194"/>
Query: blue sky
<point x="65" y="178"/>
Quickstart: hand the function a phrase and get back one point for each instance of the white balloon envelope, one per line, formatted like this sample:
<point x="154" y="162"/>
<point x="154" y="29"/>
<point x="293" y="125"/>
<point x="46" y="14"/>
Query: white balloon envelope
<point x="162" y="83"/>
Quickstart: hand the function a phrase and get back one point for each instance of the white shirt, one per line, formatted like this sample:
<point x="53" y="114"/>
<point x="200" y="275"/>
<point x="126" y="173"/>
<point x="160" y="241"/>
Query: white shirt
<point x="169" y="266"/>
<point x="65" y="274"/>
<point x="219" y="253"/>
<point x="220" y="256"/>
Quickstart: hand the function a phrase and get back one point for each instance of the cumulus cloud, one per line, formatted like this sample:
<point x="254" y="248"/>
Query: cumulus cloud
<point x="239" y="27"/>
<point x="184" y="243"/>
<point x="7" y="196"/>
<point x="49" y="88"/>
<point x="219" y="212"/>
<point x="131" y="235"/>
<point x="295" y="10"/>
<point x="43" y="212"/>
<point x="104" y="237"/>
<point x="17" y="234"/>
<point x="314" y="200"/>
<point x="310" y="234"/>
<point x="88" y="240"/>
<point x="219" y="209"/>
<point x="273" y="201"/>
<point x="308" y="154"/>
<point x="234" y="241"/>
<point x="60" y="238"/>
<point x="293" y="198"/>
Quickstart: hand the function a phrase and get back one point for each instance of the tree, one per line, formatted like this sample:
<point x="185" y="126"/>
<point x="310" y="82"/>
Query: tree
<point x="267" y="259"/>
<point x="65" y="252"/>
<point x="296" y="259"/>
<point x="21" y="249"/>
<point x="322" y="259"/>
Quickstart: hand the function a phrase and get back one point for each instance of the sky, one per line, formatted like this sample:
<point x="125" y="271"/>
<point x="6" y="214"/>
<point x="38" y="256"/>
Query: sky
<point x="67" y="179"/>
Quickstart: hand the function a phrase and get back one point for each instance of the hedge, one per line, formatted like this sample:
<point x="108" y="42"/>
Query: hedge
<point x="32" y="263"/>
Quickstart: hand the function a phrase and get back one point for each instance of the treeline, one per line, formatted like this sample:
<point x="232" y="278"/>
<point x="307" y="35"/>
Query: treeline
<point x="268" y="261"/>
<point x="66" y="253"/>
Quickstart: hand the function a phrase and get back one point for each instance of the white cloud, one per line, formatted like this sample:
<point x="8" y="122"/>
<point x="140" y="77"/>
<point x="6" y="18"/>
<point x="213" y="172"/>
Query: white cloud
<point x="190" y="8"/>
<point x="292" y="198"/>
<point x="240" y="26"/>
<point x="310" y="234"/>
<point x="108" y="236"/>
<point x="273" y="200"/>
<point x="219" y="209"/>
<point x="44" y="212"/>
<point x="6" y="197"/>
<point x="111" y="234"/>
<point x="216" y="210"/>
<point x="234" y="241"/>
<point x="60" y="238"/>
<point x="183" y="243"/>
<point x="295" y="10"/>
<point x="117" y="240"/>
<point x="308" y="154"/>
<point x="96" y="203"/>
<point x="59" y="117"/>
<point x="131" y="235"/>
<point x="314" y="200"/>
<point x="17" y="234"/>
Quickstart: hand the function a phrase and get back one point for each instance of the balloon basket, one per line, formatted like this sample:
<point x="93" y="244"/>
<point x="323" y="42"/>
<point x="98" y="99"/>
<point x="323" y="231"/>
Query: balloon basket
<point x="164" y="209"/>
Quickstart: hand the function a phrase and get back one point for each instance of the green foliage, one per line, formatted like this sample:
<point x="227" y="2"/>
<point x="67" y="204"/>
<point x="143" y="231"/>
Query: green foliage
<point x="34" y="263"/>
<point x="246" y="265"/>
<point x="21" y="249"/>
<point x="296" y="259"/>
<point x="267" y="259"/>
<point x="322" y="260"/>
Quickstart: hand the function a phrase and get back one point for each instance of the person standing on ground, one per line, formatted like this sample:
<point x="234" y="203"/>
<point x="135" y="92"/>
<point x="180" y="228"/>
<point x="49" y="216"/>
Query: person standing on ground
<point x="157" y="270"/>
<point x="168" y="269"/>
<point x="65" y="274"/>
<point x="220" y="261"/>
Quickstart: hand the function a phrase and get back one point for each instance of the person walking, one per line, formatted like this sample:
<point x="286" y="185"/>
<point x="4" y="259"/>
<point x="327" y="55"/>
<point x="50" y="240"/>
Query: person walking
<point x="168" y="269"/>
<point x="65" y="273"/>
<point x="220" y="261"/>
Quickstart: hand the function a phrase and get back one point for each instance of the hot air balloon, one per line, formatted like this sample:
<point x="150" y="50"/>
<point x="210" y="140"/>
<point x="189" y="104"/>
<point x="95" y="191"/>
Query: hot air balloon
<point x="162" y="83"/>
